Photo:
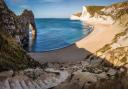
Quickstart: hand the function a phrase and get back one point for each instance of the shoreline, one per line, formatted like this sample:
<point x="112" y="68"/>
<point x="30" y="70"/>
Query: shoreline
<point x="90" y="29"/>
<point x="101" y="35"/>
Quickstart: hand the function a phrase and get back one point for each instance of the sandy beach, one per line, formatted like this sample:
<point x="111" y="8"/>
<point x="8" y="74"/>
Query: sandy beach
<point x="101" y="35"/>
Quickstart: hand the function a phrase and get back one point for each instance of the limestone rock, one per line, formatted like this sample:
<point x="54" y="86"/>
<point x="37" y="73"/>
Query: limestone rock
<point x="111" y="72"/>
<point x="17" y="26"/>
<point x="102" y="75"/>
<point x="85" y="77"/>
<point x="12" y="56"/>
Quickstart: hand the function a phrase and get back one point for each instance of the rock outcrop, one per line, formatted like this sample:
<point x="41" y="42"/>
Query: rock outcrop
<point x="89" y="11"/>
<point x="116" y="52"/>
<point x="17" y="26"/>
<point x="26" y="24"/>
<point x="13" y="30"/>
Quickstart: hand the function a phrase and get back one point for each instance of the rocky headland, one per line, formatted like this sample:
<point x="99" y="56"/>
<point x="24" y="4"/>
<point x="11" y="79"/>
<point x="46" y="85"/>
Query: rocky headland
<point x="14" y="36"/>
<point x="17" y="26"/>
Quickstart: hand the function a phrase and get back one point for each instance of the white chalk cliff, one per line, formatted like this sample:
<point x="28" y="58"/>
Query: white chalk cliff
<point x="85" y="14"/>
<point x="89" y="15"/>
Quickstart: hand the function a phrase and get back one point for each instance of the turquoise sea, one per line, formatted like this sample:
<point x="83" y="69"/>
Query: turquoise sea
<point x="57" y="33"/>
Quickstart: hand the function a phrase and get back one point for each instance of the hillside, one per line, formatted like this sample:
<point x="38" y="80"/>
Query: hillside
<point x="94" y="9"/>
<point x="116" y="11"/>
<point x="12" y="56"/>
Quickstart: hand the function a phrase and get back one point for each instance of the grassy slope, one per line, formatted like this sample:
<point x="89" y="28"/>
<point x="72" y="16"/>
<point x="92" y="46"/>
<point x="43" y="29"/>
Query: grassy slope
<point x="12" y="56"/>
<point x="78" y="14"/>
<point x="117" y="13"/>
<point x="93" y="9"/>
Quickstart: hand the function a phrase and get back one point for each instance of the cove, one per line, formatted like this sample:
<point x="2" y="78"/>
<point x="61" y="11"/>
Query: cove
<point x="54" y="33"/>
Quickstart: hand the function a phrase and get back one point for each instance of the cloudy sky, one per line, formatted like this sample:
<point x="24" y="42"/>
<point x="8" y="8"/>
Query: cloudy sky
<point x="53" y="8"/>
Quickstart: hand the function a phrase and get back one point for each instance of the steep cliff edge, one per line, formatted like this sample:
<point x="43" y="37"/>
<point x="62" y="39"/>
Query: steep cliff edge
<point x="104" y="14"/>
<point x="13" y="30"/>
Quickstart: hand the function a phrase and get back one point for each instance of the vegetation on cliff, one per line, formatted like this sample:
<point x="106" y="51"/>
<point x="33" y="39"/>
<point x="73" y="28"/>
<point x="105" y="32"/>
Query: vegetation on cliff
<point x="94" y="9"/>
<point x="78" y="14"/>
<point x="116" y="11"/>
<point x="12" y="56"/>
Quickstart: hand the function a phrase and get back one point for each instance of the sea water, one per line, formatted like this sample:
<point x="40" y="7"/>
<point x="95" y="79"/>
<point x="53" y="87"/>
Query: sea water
<point x="55" y="34"/>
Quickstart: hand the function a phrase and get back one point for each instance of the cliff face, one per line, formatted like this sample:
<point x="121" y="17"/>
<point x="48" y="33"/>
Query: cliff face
<point x="17" y="26"/>
<point x="13" y="30"/>
<point x="105" y="14"/>
<point x="89" y="11"/>
<point x="117" y="51"/>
